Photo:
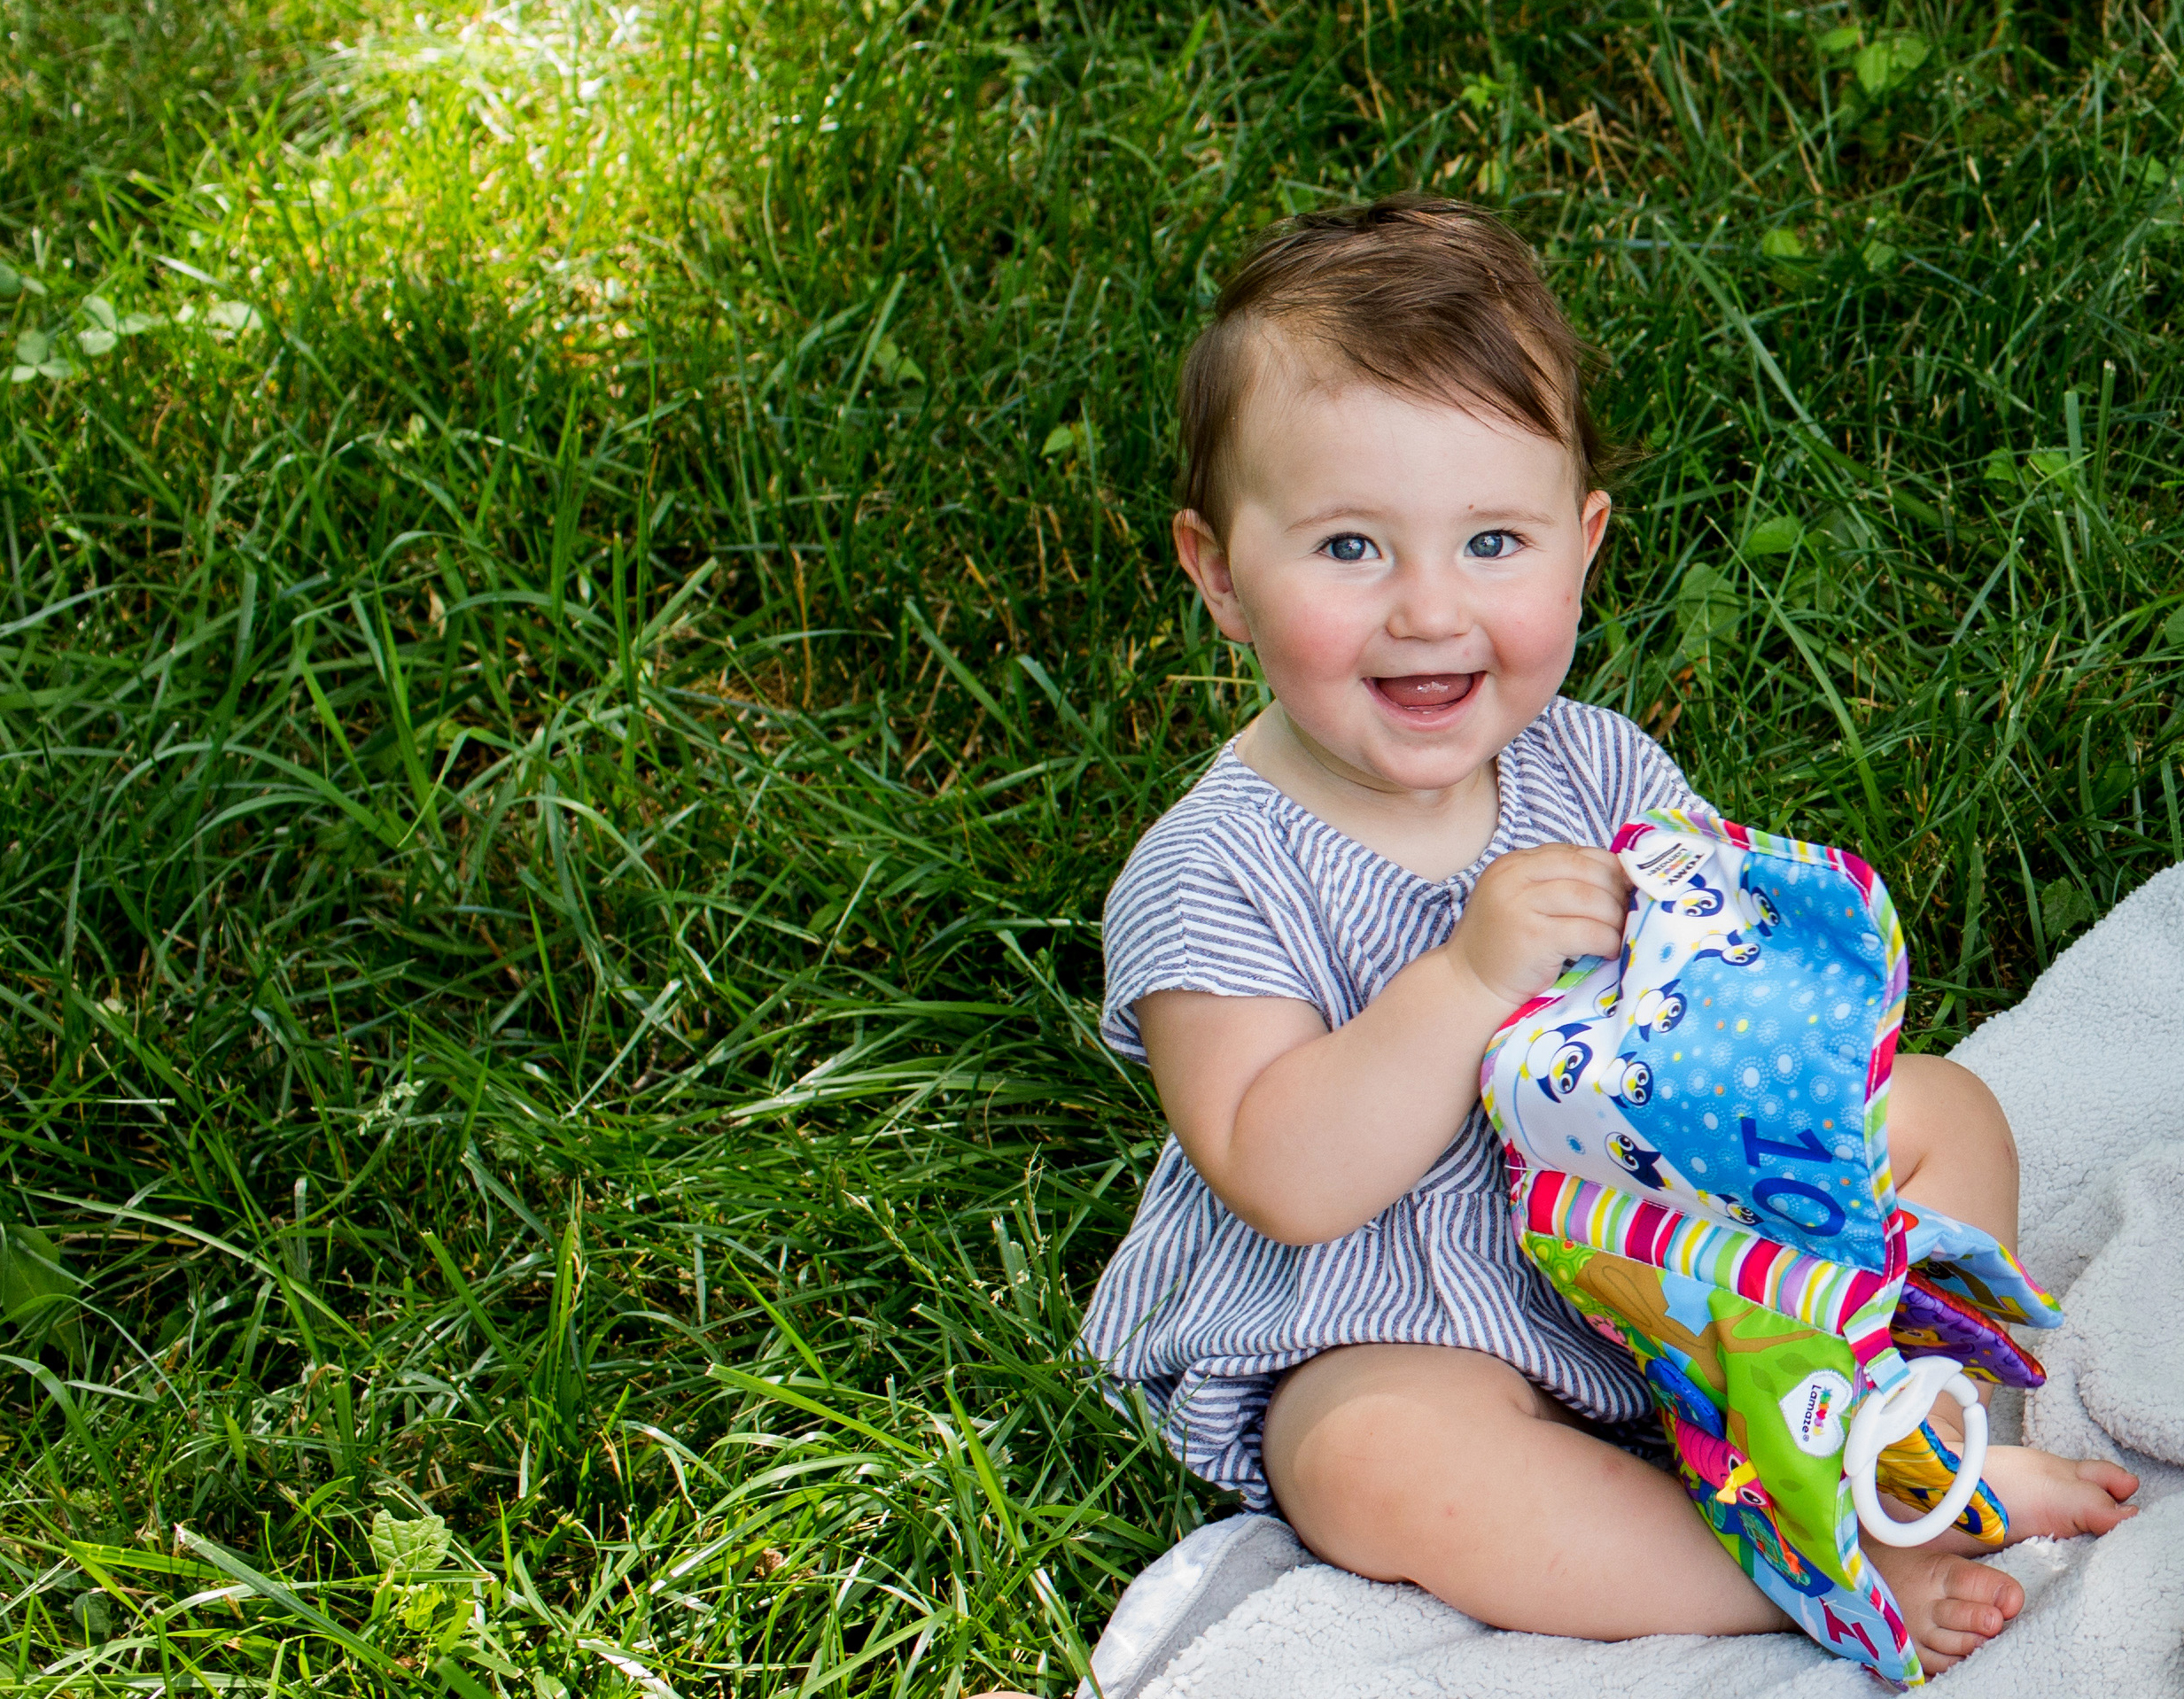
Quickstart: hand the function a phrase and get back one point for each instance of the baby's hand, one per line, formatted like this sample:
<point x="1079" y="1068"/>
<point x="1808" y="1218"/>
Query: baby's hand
<point x="1534" y="909"/>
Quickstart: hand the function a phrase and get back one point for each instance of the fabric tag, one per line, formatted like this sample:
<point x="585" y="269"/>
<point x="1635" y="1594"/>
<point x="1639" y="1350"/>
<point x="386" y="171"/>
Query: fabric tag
<point x="1664" y="864"/>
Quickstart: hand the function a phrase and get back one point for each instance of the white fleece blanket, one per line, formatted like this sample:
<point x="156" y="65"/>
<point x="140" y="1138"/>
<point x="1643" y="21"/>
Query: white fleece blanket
<point x="2090" y="1067"/>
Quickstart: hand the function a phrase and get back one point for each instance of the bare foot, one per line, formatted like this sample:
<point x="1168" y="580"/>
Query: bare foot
<point x="2059" y="1497"/>
<point x="1951" y="1605"/>
<point x="2045" y="1494"/>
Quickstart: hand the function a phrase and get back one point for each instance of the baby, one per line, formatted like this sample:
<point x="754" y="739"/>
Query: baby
<point x="1390" y="495"/>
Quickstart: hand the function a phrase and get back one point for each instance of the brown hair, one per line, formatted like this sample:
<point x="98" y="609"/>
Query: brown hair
<point x="1432" y="299"/>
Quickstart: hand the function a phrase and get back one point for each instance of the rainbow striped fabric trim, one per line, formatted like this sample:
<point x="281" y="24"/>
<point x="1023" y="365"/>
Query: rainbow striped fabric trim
<point x="1831" y="1296"/>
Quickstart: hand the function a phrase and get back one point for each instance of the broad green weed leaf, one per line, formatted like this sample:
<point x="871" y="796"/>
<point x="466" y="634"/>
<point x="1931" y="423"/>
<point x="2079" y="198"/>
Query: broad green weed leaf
<point x="11" y="282"/>
<point x="35" y="358"/>
<point x="1879" y="257"/>
<point x="1776" y="536"/>
<point x="1067" y="439"/>
<point x="1889" y="64"/>
<point x="35" y="1285"/>
<point x="133" y="322"/>
<point x="2172" y="630"/>
<point x="416" y="1547"/>
<point x="1783" y="244"/>
<point x="421" y="1607"/>
<point x="2063" y="906"/>
<point x="2001" y="469"/>
<point x="100" y="311"/>
<point x="94" y="1615"/>
<point x="2049" y="465"/>
<point x="233" y="315"/>
<point x="96" y="342"/>
<point x="896" y="366"/>
<point x="1708" y="609"/>
<point x="1839" y="41"/>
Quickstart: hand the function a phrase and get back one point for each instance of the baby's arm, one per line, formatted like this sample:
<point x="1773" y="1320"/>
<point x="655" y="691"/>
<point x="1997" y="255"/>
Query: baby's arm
<point x="1309" y="1134"/>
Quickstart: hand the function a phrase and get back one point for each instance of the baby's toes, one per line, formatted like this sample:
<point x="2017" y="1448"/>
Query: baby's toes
<point x="1972" y="1604"/>
<point x="1967" y="1620"/>
<point x="1939" y="1648"/>
<point x="1976" y="1599"/>
<point x="2112" y="1479"/>
<point x="2091" y="1499"/>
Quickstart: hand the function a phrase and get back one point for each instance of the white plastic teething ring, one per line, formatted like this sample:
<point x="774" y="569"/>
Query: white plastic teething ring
<point x="1886" y="1417"/>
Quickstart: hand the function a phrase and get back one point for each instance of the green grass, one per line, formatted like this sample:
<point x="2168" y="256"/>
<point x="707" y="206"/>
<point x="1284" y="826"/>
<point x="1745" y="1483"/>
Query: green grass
<point x="568" y="705"/>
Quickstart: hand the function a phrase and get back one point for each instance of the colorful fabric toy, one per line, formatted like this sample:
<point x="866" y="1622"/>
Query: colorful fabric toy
<point x="1698" y="1144"/>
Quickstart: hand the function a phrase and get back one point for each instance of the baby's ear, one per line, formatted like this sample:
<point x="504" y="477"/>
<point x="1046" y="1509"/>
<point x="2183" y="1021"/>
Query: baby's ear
<point x="1205" y="562"/>
<point x="1592" y="519"/>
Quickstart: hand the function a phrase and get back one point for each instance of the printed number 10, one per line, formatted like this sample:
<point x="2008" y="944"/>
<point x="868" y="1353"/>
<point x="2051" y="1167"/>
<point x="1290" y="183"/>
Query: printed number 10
<point x="1769" y="1192"/>
<point x="1807" y="1148"/>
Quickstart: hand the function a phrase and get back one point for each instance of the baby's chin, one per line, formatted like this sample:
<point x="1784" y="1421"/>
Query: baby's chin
<point x="1450" y="760"/>
<point x="1368" y="743"/>
<point x="1427" y="777"/>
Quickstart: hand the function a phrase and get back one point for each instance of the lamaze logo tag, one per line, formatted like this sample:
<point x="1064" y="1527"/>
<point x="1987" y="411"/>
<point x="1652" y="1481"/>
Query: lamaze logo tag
<point x="1663" y="864"/>
<point x="1815" y="1411"/>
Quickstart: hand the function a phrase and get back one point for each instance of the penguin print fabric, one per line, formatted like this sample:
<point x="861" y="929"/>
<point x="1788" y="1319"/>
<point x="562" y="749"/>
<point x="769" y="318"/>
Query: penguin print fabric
<point x="1697" y="1135"/>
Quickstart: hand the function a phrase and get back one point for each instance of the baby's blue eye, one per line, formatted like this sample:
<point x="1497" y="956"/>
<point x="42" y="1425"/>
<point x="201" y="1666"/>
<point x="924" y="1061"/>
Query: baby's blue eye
<point x="1351" y="547"/>
<point x="1491" y="546"/>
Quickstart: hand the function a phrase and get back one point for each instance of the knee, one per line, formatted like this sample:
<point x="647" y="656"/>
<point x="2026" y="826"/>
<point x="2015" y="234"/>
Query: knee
<point x="1963" y="1098"/>
<point x="1367" y="1451"/>
<point x="1363" y="1484"/>
<point x="1379" y="1400"/>
<point x="1941" y="1102"/>
<point x="1341" y="1451"/>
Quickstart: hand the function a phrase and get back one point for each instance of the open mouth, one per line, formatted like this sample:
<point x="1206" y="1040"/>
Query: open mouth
<point x="1425" y="693"/>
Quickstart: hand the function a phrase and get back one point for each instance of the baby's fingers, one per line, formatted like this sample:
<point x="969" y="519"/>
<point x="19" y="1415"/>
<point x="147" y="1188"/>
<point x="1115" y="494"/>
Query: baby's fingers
<point x="1581" y="899"/>
<point x="1605" y="870"/>
<point x="1584" y="863"/>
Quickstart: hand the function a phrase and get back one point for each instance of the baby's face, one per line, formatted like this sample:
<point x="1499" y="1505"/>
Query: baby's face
<point x="1409" y="573"/>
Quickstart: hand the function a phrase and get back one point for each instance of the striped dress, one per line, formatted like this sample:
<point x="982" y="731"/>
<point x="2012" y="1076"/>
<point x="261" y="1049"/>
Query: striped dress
<point x="1240" y="891"/>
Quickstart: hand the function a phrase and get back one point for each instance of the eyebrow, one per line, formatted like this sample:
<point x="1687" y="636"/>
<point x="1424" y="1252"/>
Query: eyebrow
<point x="1484" y="515"/>
<point x="1328" y="516"/>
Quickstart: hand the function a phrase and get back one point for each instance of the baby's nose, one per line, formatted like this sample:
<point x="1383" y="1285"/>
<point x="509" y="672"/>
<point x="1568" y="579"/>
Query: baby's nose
<point x="1429" y="605"/>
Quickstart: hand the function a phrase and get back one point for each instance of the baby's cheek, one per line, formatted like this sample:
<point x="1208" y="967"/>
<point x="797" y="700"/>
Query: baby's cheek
<point x="1538" y="637"/>
<point x="1309" y="644"/>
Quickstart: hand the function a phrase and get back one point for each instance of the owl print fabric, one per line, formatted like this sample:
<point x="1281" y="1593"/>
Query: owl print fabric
<point x="1697" y="1142"/>
<point x="1726" y="1063"/>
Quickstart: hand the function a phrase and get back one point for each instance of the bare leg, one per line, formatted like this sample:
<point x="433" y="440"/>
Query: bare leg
<point x="1448" y="1469"/>
<point x="1951" y="1146"/>
<point x="1952" y="1149"/>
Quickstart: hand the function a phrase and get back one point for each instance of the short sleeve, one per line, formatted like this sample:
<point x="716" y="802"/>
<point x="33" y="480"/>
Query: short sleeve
<point x="1610" y="770"/>
<point x="1197" y="909"/>
<point x="1656" y="781"/>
